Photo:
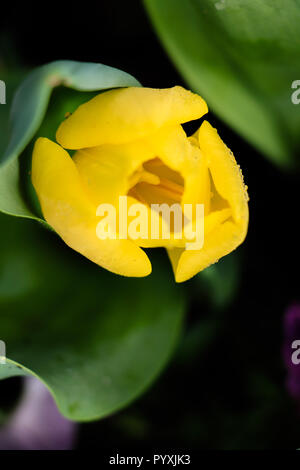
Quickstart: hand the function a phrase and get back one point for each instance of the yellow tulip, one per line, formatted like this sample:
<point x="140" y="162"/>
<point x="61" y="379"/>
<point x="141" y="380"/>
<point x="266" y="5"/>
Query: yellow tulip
<point x="129" y="142"/>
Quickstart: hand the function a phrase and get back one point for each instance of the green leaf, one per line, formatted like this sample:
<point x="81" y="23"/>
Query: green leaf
<point x="11" y="79"/>
<point x="242" y="56"/>
<point x="96" y="340"/>
<point x="28" y="111"/>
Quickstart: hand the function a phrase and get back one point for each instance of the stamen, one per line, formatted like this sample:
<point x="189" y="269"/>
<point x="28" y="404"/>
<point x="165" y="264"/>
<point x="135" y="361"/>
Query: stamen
<point x="167" y="192"/>
<point x="134" y="193"/>
<point x="143" y="176"/>
<point x="171" y="186"/>
<point x="154" y="182"/>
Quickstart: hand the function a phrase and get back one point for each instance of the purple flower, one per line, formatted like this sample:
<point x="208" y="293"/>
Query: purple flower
<point x="37" y="424"/>
<point x="292" y="354"/>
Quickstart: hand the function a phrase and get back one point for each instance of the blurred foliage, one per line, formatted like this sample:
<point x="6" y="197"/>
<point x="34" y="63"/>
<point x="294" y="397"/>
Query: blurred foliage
<point x="12" y="78"/>
<point x="213" y="399"/>
<point x="220" y="282"/>
<point x="28" y="110"/>
<point x="242" y="56"/>
<point x="96" y="339"/>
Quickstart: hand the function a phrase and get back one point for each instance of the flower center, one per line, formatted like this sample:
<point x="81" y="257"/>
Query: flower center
<point x="156" y="183"/>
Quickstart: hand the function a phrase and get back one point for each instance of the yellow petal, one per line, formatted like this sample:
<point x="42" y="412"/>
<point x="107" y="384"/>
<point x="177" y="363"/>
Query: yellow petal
<point x="72" y="214"/>
<point x="226" y="228"/>
<point x="147" y="241"/>
<point x="197" y="180"/>
<point x="125" y="114"/>
<point x="226" y="174"/>
<point x="108" y="171"/>
<point x="223" y="240"/>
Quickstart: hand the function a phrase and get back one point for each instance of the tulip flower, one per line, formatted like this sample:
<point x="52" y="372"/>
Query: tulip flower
<point x="130" y="143"/>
